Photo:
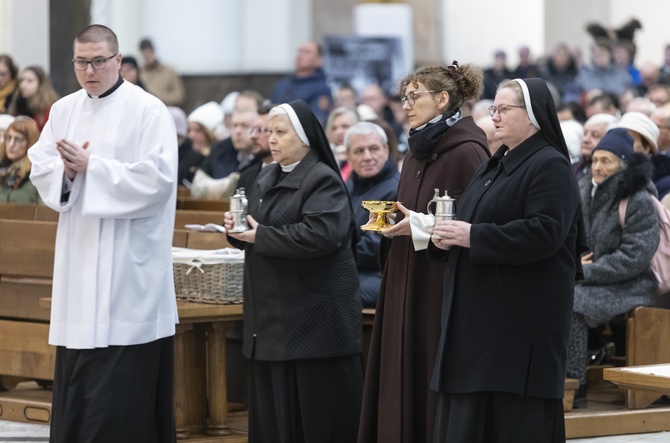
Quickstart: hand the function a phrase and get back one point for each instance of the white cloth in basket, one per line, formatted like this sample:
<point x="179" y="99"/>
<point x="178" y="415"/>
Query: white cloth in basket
<point x="209" y="276"/>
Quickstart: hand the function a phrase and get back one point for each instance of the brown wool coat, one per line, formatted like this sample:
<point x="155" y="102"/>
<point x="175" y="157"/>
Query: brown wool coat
<point x="398" y="405"/>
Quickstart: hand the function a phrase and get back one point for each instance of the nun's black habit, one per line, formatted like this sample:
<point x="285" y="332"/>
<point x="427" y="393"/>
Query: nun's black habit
<point x="302" y="308"/>
<point x="501" y="360"/>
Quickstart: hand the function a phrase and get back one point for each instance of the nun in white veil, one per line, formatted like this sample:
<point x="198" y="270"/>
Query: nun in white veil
<point x="302" y="307"/>
<point x="512" y="259"/>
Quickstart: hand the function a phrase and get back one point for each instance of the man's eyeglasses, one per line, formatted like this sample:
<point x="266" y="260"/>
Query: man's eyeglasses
<point x="411" y="97"/>
<point x="81" y="64"/>
<point x="260" y="130"/>
<point x="17" y="139"/>
<point x="502" y="109"/>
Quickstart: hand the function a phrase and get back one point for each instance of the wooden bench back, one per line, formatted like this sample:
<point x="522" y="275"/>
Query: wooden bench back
<point x="27" y="248"/>
<point x="189" y="216"/>
<point x="199" y="204"/>
<point x="15" y="211"/>
<point x="26" y="267"/>
<point x="647" y="332"/>
<point x="197" y="212"/>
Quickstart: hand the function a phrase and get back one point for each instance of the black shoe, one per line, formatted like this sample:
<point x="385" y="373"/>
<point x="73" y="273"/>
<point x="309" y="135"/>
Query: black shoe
<point x="580" y="400"/>
<point x="597" y="356"/>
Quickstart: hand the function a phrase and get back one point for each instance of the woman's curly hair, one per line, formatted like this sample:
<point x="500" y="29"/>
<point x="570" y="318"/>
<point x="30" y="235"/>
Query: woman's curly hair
<point x="462" y="82"/>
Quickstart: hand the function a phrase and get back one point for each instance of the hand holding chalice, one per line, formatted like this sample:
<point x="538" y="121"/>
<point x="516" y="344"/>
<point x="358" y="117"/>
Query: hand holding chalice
<point x="382" y="209"/>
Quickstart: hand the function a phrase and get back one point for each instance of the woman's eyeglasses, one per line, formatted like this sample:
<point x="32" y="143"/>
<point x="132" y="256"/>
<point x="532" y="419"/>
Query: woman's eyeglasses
<point x="411" y="97"/>
<point x="16" y="139"/>
<point x="502" y="109"/>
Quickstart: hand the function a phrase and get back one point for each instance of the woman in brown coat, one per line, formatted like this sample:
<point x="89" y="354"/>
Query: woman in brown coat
<point x="445" y="149"/>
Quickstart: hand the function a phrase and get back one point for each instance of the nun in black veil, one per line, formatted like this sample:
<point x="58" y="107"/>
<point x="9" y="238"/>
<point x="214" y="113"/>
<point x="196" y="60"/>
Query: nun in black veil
<point x="302" y="307"/>
<point x="513" y="255"/>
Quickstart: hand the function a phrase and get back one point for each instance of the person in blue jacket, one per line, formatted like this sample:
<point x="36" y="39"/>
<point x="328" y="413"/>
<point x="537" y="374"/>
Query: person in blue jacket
<point x="307" y="83"/>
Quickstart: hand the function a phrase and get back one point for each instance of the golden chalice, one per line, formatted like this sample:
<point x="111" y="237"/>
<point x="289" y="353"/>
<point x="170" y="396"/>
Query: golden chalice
<point x="382" y="209"/>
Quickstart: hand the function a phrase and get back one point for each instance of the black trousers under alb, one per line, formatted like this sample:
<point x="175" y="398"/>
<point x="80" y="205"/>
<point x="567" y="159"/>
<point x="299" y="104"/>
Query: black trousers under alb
<point x="115" y="394"/>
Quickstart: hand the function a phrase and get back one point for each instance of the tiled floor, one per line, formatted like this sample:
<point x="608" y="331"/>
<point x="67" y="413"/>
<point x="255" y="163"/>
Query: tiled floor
<point x="11" y="432"/>
<point x="657" y="437"/>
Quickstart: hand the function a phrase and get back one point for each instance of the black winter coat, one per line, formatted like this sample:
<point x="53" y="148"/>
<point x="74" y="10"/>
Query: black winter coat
<point x="508" y="298"/>
<point x="301" y="298"/>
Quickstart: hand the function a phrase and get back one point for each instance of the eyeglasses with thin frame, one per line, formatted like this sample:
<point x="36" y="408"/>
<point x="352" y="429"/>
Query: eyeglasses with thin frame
<point x="17" y="139"/>
<point x="98" y="63"/>
<point x="260" y="130"/>
<point x="502" y="109"/>
<point x="411" y="97"/>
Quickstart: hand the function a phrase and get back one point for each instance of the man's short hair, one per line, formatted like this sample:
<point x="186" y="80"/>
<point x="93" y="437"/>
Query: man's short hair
<point x="97" y="34"/>
<point x="603" y="43"/>
<point x="145" y="43"/>
<point x="606" y="99"/>
<point x="365" y="128"/>
<point x="256" y="96"/>
<point x="265" y="108"/>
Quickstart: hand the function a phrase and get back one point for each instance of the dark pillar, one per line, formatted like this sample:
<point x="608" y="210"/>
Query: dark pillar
<point x="67" y="18"/>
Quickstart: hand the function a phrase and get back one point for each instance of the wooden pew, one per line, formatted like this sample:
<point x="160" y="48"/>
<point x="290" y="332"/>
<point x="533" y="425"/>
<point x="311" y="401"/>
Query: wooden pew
<point x="189" y="216"/>
<point x="26" y="268"/>
<point x="199" y="204"/>
<point x="13" y="211"/>
<point x="26" y="264"/>
<point x="27" y="248"/>
<point x="45" y="213"/>
<point x="17" y="212"/>
<point x="183" y="191"/>
<point x="647" y="333"/>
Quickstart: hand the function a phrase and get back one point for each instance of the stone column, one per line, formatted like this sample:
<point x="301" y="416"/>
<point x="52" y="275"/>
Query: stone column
<point x="67" y="18"/>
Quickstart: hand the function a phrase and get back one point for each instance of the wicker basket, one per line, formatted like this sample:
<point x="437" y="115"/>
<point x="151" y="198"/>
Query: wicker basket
<point x="208" y="276"/>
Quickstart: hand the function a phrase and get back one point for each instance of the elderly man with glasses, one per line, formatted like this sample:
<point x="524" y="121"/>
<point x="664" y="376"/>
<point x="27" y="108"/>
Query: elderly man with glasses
<point x="107" y="162"/>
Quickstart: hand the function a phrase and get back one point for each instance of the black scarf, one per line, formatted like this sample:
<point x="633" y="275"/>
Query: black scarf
<point x="422" y="141"/>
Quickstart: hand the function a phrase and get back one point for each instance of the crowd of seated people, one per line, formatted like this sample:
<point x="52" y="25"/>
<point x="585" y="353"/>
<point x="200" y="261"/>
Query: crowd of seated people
<point x="605" y="109"/>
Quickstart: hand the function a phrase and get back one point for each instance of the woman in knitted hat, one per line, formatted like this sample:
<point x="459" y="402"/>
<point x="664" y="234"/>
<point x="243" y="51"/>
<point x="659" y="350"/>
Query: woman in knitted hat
<point x="643" y="130"/>
<point x="201" y="125"/>
<point x="645" y="135"/>
<point x="617" y="276"/>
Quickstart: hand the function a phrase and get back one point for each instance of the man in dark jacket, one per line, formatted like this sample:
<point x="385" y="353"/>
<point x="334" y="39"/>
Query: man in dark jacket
<point x="260" y="149"/>
<point x="374" y="177"/>
<point x="308" y="82"/>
